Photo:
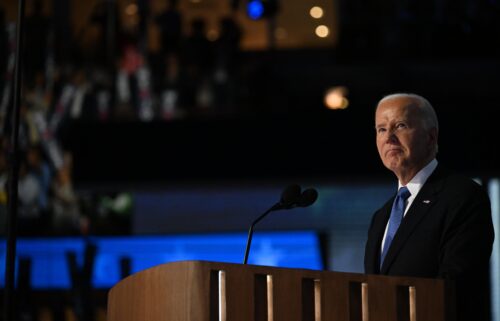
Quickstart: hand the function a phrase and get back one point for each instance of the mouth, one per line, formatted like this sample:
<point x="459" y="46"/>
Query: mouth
<point x="393" y="151"/>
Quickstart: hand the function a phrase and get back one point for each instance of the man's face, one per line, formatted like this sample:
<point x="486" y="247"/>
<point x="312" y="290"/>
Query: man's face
<point x="403" y="143"/>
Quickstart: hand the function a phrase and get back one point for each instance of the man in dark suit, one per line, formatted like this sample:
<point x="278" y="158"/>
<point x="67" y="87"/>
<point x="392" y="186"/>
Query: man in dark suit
<point x="444" y="227"/>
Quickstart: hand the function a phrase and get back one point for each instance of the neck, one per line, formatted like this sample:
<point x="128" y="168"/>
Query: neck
<point x="406" y="175"/>
<point x="405" y="178"/>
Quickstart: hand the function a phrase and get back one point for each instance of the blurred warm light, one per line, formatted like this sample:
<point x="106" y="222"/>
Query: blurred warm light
<point x="280" y="33"/>
<point x="322" y="31"/>
<point x="212" y="35"/>
<point x="316" y="12"/>
<point x="195" y="1"/>
<point x="335" y="98"/>
<point x="131" y="9"/>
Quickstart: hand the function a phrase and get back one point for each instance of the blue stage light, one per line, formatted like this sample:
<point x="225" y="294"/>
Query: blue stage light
<point x="255" y="9"/>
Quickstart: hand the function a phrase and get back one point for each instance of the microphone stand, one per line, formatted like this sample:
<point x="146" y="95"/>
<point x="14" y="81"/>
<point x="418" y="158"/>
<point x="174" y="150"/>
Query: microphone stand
<point x="9" y="297"/>
<point x="291" y="197"/>
<point x="275" y="207"/>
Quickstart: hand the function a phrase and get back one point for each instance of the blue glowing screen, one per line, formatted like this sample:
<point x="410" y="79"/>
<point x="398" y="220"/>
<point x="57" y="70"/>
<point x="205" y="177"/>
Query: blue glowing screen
<point x="50" y="268"/>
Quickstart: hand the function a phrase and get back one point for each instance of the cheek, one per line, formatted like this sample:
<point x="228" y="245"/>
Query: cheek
<point x="414" y="146"/>
<point x="379" y="140"/>
<point x="379" y="146"/>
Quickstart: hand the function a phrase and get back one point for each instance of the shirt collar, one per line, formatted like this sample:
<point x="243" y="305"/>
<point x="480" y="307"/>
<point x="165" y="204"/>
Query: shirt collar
<point x="416" y="183"/>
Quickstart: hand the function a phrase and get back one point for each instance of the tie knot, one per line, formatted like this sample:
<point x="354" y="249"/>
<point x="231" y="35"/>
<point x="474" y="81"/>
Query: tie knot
<point x="404" y="193"/>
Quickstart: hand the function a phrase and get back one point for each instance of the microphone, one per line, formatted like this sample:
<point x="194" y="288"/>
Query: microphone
<point x="290" y="197"/>
<point x="308" y="197"/>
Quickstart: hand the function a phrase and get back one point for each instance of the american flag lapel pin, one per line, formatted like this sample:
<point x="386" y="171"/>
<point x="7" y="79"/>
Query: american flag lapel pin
<point x="427" y="201"/>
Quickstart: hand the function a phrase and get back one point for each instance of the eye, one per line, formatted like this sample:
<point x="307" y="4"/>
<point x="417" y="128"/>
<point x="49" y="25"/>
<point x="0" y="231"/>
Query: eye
<point x="400" y="125"/>
<point x="380" y="130"/>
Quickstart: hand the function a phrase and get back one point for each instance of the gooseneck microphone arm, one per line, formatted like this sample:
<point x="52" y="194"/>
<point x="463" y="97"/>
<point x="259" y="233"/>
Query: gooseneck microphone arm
<point x="290" y="198"/>
<point x="250" y="230"/>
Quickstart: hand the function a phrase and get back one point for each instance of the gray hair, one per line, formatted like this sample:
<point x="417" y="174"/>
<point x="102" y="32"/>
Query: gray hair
<point x="429" y="117"/>
<point x="428" y="114"/>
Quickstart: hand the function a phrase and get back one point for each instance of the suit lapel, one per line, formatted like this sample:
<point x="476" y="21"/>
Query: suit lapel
<point x="375" y="238"/>
<point x="426" y="198"/>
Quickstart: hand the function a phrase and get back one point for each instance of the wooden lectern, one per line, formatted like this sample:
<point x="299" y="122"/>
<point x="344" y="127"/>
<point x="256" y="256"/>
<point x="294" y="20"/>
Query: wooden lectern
<point x="212" y="291"/>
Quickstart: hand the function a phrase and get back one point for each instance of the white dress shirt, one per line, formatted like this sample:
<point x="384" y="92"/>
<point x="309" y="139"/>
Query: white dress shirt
<point x="414" y="186"/>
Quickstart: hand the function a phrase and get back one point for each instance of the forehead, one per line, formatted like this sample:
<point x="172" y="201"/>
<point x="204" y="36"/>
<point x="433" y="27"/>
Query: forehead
<point x="399" y="108"/>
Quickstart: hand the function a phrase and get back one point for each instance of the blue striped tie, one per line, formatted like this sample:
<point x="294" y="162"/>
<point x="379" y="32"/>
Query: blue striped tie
<point x="398" y="209"/>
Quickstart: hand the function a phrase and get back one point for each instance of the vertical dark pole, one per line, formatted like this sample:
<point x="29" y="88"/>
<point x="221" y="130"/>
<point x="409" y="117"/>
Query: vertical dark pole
<point x="9" y="298"/>
<point x="111" y="32"/>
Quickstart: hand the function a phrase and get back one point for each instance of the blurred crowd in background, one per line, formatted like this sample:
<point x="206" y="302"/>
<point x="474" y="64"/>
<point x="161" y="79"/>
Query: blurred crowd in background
<point x="48" y="202"/>
<point x="118" y="77"/>
<point x="115" y="79"/>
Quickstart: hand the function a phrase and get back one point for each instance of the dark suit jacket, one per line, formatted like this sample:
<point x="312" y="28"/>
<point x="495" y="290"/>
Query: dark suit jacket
<point x="446" y="233"/>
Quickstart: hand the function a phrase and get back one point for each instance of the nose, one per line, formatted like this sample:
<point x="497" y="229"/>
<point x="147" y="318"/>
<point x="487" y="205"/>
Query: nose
<point x="391" y="137"/>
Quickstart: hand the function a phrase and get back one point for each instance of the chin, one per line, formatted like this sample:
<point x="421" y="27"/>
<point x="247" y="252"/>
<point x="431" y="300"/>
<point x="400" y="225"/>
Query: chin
<point x="393" y="165"/>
